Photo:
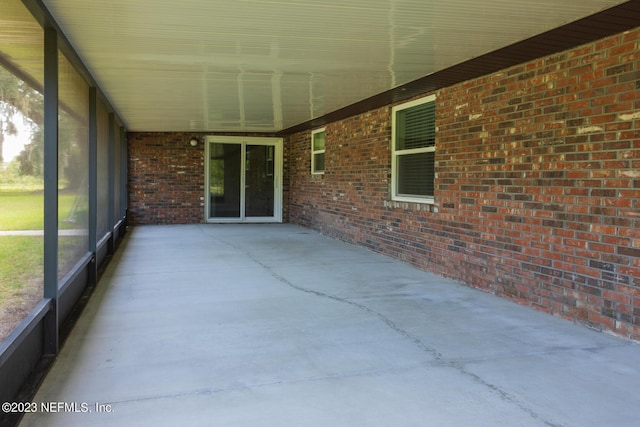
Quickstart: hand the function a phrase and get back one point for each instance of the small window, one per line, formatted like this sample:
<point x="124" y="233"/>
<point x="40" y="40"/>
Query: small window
<point x="413" y="150"/>
<point x="317" y="151"/>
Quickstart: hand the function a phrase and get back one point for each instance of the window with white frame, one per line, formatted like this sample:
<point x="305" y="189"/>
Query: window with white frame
<point x="317" y="151"/>
<point x="413" y="150"/>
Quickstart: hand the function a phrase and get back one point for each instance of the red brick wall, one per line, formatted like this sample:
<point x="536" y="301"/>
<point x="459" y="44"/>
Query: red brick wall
<point x="537" y="189"/>
<point x="166" y="178"/>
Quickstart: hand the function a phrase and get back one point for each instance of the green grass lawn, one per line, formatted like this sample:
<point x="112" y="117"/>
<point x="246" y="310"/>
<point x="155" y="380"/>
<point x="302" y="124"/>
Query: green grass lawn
<point x="25" y="210"/>
<point x="22" y="260"/>
<point x="21" y="257"/>
<point x="21" y="211"/>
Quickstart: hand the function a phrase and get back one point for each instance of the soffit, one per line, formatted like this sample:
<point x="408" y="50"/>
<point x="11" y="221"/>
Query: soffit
<point x="264" y="66"/>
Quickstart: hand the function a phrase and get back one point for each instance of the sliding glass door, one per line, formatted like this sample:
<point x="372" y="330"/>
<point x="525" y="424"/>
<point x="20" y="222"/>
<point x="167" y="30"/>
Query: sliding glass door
<point x="244" y="177"/>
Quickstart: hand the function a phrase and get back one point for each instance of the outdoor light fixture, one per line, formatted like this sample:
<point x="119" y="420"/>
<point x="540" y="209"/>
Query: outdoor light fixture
<point x="193" y="141"/>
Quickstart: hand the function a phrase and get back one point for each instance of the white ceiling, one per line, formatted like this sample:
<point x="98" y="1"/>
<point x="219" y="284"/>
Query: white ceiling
<point x="266" y="65"/>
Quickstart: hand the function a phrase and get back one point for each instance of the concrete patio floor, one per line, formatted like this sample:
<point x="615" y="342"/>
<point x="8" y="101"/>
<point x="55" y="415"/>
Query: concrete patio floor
<point x="276" y="325"/>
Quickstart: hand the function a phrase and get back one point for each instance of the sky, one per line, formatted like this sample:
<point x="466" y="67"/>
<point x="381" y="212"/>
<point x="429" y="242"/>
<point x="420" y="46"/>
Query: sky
<point x="13" y="144"/>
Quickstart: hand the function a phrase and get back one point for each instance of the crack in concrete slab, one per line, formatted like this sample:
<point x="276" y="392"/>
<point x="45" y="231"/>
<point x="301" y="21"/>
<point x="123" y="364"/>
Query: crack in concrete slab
<point x="430" y="350"/>
<point x="215" y="390"/>
<point x="415" y="340"/>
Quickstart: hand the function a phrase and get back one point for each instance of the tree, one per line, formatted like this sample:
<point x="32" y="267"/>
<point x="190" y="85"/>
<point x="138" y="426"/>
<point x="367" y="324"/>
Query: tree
<point x="18" y="97"/>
